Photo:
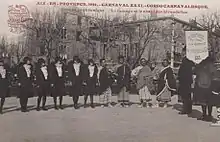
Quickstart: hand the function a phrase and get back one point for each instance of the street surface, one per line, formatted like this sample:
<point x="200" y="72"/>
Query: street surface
<point x="103" y="124"/>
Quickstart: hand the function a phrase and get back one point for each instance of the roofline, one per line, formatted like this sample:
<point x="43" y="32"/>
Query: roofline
<point x="164" y="18"/>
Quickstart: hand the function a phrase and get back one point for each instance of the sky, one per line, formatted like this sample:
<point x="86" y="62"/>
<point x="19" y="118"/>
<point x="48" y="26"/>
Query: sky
<point x="31" y="4"/>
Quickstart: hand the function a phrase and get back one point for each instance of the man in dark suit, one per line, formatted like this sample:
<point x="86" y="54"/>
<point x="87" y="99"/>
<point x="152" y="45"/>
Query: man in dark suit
<point x="26" y="78"/>
<point x="57" y="81"/>
<point x="43" y="84"/>
<point x="185" y="77"/>
<point x="76" y="77"/>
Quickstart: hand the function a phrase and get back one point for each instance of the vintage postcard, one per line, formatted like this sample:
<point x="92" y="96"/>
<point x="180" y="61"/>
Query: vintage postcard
<point x="109" y="71"/>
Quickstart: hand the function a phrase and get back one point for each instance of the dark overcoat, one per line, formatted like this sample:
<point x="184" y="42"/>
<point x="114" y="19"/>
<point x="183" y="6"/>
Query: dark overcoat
<point x="43" y="84"/>
<point x="77" y="87"/>
<point x="91" y="82"/>
<point x="4" y="84"/>
<point x="26" y="83"/>
<point x="57" y="83"/>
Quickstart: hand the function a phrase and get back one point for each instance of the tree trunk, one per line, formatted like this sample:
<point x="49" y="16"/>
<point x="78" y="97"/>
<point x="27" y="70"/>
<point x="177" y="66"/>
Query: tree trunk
<point x="138" y="58"/>
<point x="48" y="56"/>
<point x="149" y="53"/>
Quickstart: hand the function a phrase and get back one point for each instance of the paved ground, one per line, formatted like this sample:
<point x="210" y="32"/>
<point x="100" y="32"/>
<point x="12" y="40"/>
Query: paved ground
<point x="103" y="124"/>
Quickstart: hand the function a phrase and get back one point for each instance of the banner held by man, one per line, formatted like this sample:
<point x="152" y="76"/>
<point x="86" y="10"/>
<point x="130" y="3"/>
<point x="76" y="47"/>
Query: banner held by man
<point x="196" y="45"/>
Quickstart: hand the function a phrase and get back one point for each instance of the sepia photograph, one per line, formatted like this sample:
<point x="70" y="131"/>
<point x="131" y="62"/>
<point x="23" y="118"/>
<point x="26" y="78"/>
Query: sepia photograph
<point x="109" y="71"/>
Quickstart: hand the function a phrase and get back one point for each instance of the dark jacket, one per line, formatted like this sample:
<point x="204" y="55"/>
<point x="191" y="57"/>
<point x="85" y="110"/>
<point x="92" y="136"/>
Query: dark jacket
<point x="58" y="83"/>
<point x="26" y="83"/>
<point x="105" y="80"/>
<point x="123" y="77"/>
<point x="23" y="78"/>
<point x="76" y="80"/>
<point x="91" y="82"/>
<point x="185" y="77"/>
<point x="186" y="72"/>
<point x="87" y="77"/>
<point x="40" y="77"/>
<point x="4" y="84"/>
<point x="77" y="87"/>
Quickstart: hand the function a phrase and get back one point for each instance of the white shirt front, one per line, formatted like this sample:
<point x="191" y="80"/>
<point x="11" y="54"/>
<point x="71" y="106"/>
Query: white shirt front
<point x="45" y="73"/>
<point x="28" y="70"/>
<point x="91" y="70"/>
<point x="59" y="71"/>
<point x="77" y="68"/>
<point x="3" y="72"/>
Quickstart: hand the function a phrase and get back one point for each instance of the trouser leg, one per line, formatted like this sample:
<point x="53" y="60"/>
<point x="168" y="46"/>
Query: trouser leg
<point x="22" y="102"/>
<point x="85" y="99"/>
<point x="44" y="101"/>
<point x="61" y="100"/>
<point x="55" y="102"/>
<point x="75" y="101"/>
<point x="209" y="110"/>
<point x="2" y="104"/>
<point x="109" y="95"/>
<point x="204" y="112"/>
<point x="91" y="99"/>
<point x="188" y="104"/>
<point x="39" y="101"/>
<point x="25" y="102"/>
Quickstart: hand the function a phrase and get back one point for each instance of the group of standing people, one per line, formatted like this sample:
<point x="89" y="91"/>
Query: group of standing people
<point x="199" y="84"/>
<point x="166" y="83"/>
<point x="201" y="80"/>
<point x="75" y="77"/>
<point x="86" y="79"/>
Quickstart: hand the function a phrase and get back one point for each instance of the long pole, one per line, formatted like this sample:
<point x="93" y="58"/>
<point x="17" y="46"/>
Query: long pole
<point x="173" y="46"/>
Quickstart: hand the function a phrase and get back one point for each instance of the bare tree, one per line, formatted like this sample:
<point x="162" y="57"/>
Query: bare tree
<point x="117" y="29"/>
<point x="147" y="33"/>
<point x="47" y="27"/>
<point x="104" y="28"/>
<point x="18" y="50"/>
<point x="211" y="22"/>
<point x="3" y="45"/>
